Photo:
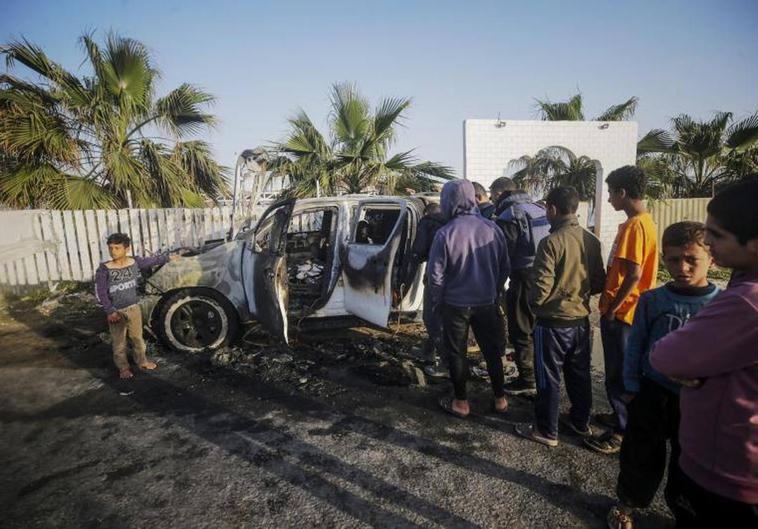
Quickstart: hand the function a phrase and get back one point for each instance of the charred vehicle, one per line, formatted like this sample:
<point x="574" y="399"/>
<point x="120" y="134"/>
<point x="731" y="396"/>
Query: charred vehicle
<point x="306" y="261"/>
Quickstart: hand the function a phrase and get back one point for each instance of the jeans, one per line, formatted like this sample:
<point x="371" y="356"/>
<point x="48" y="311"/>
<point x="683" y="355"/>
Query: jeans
<point x="567" y="350"/>
<point x="615" y="335"/>
<point x="488" y="330"/>
<point x="521" y="323"/>
<point x="433" y="326"/>
<point x="653" y="422"/>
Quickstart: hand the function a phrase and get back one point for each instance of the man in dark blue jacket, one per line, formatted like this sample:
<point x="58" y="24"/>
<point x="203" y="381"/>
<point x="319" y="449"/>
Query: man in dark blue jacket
<point x="524" y="224"/>
<point x="468" y="265"/>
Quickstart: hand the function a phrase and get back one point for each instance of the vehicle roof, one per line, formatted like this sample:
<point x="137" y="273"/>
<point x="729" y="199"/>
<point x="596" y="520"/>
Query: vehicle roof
<point x="354" y="199"/>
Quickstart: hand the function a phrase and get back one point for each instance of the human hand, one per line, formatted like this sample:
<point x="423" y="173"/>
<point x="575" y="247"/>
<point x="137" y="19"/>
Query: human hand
<point x="114" y="317"/>
<point x="688" y="382"/>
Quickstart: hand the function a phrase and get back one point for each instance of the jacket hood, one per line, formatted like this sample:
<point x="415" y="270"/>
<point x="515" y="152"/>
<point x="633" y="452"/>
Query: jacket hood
<point x="457" y="198"/>
<point x="508" y="199"/>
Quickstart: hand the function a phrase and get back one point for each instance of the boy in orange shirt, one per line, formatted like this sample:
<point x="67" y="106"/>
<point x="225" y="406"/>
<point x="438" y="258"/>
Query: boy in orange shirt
<point x="632" y="269"/>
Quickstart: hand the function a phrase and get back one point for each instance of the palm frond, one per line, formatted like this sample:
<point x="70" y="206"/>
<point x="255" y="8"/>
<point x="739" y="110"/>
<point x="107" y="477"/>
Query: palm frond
<point x="743" y="134"/>
<point x="127" y="72"/>
<point x="180" y="111"/>
<point x="196" y="160"/>
<point x="350" y="116"/>
<point x="620" y="112"/>
<point x="74" y="192"/>
<point x="656" y="140"/>
<point x="571" y="110"/>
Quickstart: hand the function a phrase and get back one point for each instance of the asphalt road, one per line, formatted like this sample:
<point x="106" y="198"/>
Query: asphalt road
<point x="195" y="445"/>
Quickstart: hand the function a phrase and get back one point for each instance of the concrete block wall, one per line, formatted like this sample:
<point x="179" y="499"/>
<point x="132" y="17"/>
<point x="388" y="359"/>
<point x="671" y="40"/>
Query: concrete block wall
<point x="489" y="145"/>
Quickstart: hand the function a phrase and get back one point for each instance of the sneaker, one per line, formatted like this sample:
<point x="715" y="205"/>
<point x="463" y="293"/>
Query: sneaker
<point x="529" y="431"/>
<point x="480" y="372"/>
<point x="510" y="371"/>
<point x="608" y="420"/>
<point x="436" y="370"/>
<point x="605" y="443"/>
<point x="587" y="432"/>
<point x="519" y="387"/>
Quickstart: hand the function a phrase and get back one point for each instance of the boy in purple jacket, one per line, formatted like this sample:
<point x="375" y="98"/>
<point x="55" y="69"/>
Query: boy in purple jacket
<point x="116" y="290"/>
<point x="716" y="356"/>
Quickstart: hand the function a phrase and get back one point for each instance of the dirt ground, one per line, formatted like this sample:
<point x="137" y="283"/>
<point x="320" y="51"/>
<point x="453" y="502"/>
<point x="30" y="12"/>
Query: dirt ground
<point x="333" y="432"/>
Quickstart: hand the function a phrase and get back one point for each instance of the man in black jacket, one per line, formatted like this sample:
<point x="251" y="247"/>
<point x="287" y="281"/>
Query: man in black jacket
<point x="427" y="228"/>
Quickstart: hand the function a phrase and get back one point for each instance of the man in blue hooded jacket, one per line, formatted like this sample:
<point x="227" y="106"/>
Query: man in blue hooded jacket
<point x="524" y="224"/>
<point x="468" y="265"/>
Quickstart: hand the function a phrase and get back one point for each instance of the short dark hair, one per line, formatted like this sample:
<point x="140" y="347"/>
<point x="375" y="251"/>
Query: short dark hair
<point x="479" y="189"/>
<point x="564" y="198"/>
<point x="735" y="209"/>
<point x="119" y="238"/>
<point x="432" y="208"/>
<point x="685" y="233"/>
<point x="630" y="178"/>
<point x="502" y="184"/>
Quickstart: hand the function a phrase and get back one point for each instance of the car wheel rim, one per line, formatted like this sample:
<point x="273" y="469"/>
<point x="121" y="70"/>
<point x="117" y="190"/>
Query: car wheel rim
<point x="196" y="324"/>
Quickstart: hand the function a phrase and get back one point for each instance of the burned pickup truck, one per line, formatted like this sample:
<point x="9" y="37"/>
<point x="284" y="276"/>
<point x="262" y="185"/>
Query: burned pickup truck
<point x="333" y="259"/>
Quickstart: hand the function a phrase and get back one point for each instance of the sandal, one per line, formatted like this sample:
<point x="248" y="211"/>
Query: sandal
<point x="446" y="403"/>
<point x="619" y="518"/>
<point x="606" y="443"/>
<point x="123" y="374"/>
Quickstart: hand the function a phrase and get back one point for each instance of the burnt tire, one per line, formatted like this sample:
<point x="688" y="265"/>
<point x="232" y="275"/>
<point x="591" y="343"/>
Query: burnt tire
<point x="192" y="321"/>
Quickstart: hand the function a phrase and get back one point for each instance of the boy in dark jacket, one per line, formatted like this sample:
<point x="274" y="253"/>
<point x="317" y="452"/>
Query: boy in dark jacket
<point x="567" y="270"/>
<point x="468" y="265"/>
<point x="116" y="290"/>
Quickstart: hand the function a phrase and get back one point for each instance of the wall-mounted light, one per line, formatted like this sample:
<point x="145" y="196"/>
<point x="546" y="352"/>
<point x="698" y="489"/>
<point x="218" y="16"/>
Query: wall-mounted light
<point x="604" y="126"/>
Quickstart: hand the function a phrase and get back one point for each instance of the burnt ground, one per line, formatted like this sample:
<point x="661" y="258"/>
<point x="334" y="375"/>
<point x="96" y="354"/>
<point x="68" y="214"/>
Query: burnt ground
<point x="333" y="432"/>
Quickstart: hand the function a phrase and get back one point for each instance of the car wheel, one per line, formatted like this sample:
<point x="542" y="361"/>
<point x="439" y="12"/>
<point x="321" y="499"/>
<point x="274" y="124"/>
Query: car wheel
<point x="197" y="320"/>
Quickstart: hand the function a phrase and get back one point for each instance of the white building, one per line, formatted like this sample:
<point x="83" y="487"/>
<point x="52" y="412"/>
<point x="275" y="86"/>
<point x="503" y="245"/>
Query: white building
<point x="489" y="145"/>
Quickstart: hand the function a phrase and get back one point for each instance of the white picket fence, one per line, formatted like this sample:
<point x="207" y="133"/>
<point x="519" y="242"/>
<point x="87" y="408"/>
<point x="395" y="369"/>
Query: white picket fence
<point x="43" y="246"/>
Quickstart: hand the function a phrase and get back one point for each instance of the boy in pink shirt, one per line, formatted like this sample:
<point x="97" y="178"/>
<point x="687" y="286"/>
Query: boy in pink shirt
<point x="716" y="356"/>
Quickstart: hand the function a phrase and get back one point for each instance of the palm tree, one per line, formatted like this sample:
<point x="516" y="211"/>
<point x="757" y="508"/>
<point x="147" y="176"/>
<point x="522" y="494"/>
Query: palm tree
<point x="101" y="140"/>
<point x="354" y="157"/>
<point x="696" y="157"/>
<point x="573" y="110"/>
<point x="555" y="166"/>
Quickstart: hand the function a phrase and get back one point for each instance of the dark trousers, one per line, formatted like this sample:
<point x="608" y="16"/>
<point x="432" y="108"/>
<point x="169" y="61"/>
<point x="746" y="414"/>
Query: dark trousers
<point x="615" y="335"/>
<point x="698" y="508"/>
<point x="490" y="335"/>
<point x="652" y="422"/>
<point x="521" y="323"/>
<point x="567" y="350"/>
<point x="433" y="324"/>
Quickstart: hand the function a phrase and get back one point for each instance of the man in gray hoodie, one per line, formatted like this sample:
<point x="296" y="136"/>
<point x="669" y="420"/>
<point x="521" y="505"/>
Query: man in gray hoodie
<point x="468" y="265"/>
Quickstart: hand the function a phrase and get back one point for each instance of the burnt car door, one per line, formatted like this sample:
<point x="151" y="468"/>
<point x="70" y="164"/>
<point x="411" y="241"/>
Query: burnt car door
<point x="369" y="258"/>
<point x="264" y="269"/>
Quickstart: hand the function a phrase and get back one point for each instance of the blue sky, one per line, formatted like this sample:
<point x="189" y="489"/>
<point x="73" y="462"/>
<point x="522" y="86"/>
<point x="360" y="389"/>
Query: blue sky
<point x="265" y="59"/>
